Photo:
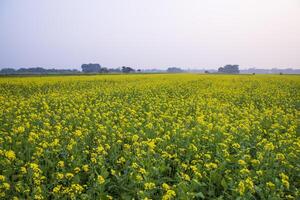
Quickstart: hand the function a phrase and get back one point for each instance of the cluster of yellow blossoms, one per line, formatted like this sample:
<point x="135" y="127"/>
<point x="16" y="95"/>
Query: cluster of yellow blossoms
<point x="179" y="136"/>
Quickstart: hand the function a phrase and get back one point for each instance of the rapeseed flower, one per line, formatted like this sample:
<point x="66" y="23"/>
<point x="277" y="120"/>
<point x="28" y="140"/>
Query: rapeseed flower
<point x="10" y="155"/>
<point x="170" y="194"/>
<point x="85" y="168"/>
<point x="149" y="186"/>
<point x="100" y="179"/>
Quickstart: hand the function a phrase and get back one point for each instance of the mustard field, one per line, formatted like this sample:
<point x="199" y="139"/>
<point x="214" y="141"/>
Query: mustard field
<point x="176" y="136"/>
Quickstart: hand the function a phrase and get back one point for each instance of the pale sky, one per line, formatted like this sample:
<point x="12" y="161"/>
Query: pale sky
<point x="150" y="33"/>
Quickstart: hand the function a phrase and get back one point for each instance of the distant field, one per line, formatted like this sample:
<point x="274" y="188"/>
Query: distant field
<point x="158" y="136"/>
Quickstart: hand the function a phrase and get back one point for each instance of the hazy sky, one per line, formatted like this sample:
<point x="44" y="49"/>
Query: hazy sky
<point x="150" y="33"/>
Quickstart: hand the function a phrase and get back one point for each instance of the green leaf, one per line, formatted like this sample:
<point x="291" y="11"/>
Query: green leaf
<point x="199" y="194"/>
<point x="224" y="184"/>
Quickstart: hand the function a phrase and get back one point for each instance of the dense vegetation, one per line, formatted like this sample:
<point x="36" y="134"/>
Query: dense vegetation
<point x="150" y="136"/>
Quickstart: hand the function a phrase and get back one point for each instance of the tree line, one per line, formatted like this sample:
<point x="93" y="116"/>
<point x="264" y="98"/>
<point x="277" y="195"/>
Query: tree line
<point x="95" y="68"/>
<point x="37" y="70"/>
<point x="85" y="68"/>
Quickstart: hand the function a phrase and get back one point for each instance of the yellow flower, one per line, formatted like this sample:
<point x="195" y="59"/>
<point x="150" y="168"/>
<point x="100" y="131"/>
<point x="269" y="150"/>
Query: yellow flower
<point x="211" y="166"/>
<point x="151" y="145"/>
<point x="126" y="146"/>
<point x="244" y="171"/>
<point x="280" y="157"/>
<point x="76" y="170"/>
<point x="200" y="119"/>
<point x="85" y="168"/>
<point x="236" y="145"/>
<point x="165" y="186"/>
<point x="208" y="156"/>
<point x="59" y="176"/>
<point x="284" y="180"/>
<point x="242" y="162"/>
<point x="241" y="188"/>
<point x="121" y="160"/>
<point x="271" y="185"/>
<point x="285" y="183"/>
<point x="76" y="188"/>
<point x="23" y="170"/>
<point x="170" y="194"/>
<point x="185" y="177"/>
<point x="78" y="133"/>
<point x="269" y="146"/>
<point x="149" y="186"/>
<point x="138" y="177"/>
<point x="32" y="137"/>
<point x="61" y="164"/>
<point x="10" y="155"/>
<point x="56" y="189"/>
<point x="100" y="180"/>
<point x="2" y="178"/>
<point x="135" y="165"/>
<point x="249" y="184"/>
<point x="198" y="174"/>
<point x="259" y="172"/>
<point x="135" y="138"/>
<point x="5" y="186"/>
<point x="255" y="162"/>
<point x="20" y="129"/>
<point x="210" y="126"/>
<point x="113" y="172"/>
<point x="142" y="171"/>
<point x="184" y="166"/>
<point x="69" y="175"/>
<point x="193" y="147"/>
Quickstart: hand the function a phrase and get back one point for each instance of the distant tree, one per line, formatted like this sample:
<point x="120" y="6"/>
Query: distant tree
<point x="139" y="70"/>
<point x="127" y="69"/>
<point x="32" y="70"/>
<point x="91" y="68"/>
<point x="114" y="70"/>
<point x="206" y="72"/>
<point x="229" y="69"/>
<point x="7" y="71"/>
<point x="174" y="70"/>
<point x="253" y="73"/>
<point x="103" y="70"/>
<point x="38" y="70"/>
<point x="280" y="73"/>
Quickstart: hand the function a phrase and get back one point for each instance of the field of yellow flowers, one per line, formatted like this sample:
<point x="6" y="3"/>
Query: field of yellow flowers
<point x="180" y="136"/>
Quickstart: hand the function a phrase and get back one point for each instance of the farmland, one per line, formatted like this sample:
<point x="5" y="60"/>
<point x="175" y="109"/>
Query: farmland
<point x="172" y="136"/>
